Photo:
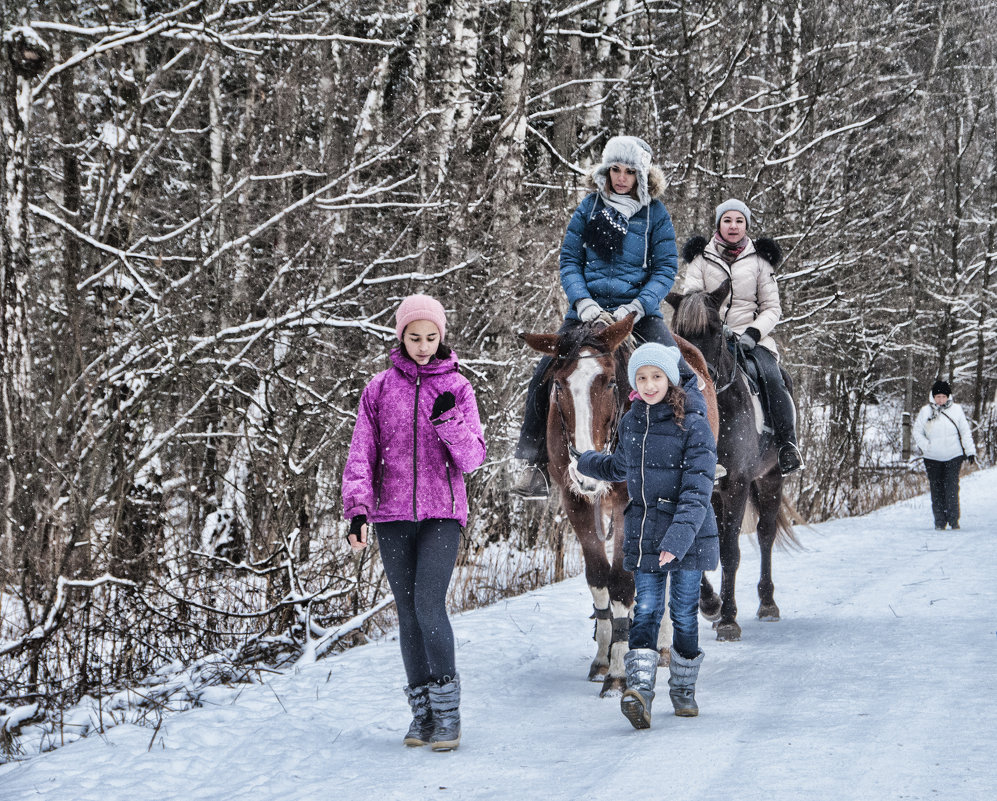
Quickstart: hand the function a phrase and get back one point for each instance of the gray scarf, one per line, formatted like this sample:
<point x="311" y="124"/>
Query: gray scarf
<point x="624" y="204"/>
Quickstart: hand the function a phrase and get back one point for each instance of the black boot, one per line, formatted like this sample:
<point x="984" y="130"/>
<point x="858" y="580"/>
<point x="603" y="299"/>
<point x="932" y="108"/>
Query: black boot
<point x="790" y="459"/>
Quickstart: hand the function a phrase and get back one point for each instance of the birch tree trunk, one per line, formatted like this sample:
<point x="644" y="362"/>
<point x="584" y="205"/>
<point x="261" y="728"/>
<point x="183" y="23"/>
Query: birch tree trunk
<point x="22" y="57"/>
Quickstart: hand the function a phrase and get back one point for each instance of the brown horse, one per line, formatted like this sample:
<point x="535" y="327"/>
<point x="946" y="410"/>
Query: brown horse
<point x="589" y="394"/>
<point x="749" y="455"/>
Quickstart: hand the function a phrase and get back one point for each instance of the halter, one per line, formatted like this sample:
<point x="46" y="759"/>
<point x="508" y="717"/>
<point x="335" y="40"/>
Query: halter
<point x="617" y="411"/>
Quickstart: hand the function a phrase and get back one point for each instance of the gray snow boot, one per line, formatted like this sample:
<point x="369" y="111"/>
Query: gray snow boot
<point x="641" y="665"/>
<point x="682" y="683"/>
<point x="445" y="701"/>
<point x="421" y="728"/>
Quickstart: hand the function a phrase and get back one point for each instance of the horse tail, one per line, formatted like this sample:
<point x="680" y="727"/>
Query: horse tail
<point x="786" y="520"/>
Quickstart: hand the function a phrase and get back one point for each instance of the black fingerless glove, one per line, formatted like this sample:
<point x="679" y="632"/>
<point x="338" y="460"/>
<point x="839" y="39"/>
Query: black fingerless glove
<point x="445" y="401"/>
<point x="356" y="523"/>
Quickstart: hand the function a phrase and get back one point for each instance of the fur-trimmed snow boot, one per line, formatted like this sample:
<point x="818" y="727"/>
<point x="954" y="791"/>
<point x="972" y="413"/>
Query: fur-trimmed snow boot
<point x="421" y="728"/>
<point x="682" y="683"/>
<point x="641" y="665"/>
<point x="445" y="701"/>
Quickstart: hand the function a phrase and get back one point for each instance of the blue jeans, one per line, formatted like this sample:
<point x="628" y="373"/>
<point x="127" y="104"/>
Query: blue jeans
<point x="683" y="608"/>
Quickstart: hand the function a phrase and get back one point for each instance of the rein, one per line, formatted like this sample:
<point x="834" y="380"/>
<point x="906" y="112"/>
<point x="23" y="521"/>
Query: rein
<point x="727" y="335"/>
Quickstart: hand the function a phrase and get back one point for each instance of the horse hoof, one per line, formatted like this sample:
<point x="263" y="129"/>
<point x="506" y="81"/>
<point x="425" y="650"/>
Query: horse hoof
<point x="710" y="611"/>
<point x="598" y="672"/>
<point x="613" y="686"/>
<point x="728" y="632"/>
<point x="768" y="612"/>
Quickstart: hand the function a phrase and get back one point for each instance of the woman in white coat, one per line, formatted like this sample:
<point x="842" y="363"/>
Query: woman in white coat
<point x="945" y="439"/>
<point x="751" y="311"/>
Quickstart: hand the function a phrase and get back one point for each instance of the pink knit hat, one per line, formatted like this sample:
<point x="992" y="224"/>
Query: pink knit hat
<point x="420" y="307"/>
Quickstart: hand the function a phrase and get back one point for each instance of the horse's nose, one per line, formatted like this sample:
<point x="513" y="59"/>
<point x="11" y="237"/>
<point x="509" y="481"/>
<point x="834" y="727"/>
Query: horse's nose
<point x="583" y="484"/>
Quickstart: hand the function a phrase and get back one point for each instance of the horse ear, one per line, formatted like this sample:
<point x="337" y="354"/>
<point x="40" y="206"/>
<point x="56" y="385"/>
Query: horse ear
<point x="544" y="343"/>
<point x="720" y="293"/>
<point x="612" y="336"/>
<point x="674" y="299"/>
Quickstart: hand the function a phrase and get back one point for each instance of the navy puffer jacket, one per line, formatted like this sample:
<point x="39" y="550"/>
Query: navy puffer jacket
<point x="628" y="276"/>
<point x="669" y="473"/>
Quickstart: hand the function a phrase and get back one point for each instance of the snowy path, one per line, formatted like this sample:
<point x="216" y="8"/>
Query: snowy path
<point x="877" y="684"/>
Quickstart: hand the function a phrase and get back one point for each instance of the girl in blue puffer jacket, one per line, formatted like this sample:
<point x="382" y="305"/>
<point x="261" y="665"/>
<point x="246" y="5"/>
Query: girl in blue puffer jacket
<point x="618" y="256"/>
<point x="668" y="457"/>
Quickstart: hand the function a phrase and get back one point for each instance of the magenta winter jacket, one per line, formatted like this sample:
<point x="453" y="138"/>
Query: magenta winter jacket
<point x="402" y="466"/>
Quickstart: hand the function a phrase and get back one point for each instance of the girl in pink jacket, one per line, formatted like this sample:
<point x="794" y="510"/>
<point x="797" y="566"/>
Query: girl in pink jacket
<point x="417" y="433"/>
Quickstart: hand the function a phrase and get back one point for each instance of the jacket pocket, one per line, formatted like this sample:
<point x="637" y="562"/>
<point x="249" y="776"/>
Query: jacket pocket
<point x="666" y="506"/>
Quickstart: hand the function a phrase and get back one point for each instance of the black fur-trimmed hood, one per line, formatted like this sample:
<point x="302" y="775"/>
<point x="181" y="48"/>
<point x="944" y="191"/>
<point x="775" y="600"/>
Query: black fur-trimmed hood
<point x="766" y="248"/>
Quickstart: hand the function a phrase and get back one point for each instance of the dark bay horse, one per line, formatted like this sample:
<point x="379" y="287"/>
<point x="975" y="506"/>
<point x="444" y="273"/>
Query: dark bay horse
<point x="750" y="457"/>
<point x="589" y="394"/>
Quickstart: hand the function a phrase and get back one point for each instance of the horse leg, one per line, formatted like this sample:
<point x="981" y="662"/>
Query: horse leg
<point x="665" y="631"/>
<point x="709" y="601"/>
<point x="767" y="496"/>
<point x="729" y="518"/>
<point x="621" y="593"/>
<point x="597" y="574"/>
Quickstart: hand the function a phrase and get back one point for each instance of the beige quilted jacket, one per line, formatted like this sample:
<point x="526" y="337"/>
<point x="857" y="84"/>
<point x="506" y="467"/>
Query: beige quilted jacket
<point x="754" y="300"/>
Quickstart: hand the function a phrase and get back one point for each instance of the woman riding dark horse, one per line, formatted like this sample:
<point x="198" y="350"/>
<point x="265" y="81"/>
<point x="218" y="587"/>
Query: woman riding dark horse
<point x="751" y="310"/>
<point x="619" y="257"/>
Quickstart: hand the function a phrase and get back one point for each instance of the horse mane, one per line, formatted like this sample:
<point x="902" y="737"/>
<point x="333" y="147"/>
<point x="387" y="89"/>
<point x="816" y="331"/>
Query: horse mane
<point x="692" y="317"/>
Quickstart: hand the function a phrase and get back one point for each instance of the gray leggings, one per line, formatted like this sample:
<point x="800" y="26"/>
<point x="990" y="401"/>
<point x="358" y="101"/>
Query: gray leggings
<point x="419" y="560"/>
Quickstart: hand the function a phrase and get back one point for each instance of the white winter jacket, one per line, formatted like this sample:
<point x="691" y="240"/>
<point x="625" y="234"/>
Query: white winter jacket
<point x="754" y="299"/>
<point x="943" y="433"/>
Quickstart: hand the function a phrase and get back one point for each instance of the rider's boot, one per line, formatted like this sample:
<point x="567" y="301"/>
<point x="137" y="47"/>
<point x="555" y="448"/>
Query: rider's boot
<point x="790" y="458"/>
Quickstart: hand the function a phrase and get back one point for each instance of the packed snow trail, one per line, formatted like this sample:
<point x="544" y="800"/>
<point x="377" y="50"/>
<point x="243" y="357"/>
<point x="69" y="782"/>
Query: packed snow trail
<point x="876" y="684"/>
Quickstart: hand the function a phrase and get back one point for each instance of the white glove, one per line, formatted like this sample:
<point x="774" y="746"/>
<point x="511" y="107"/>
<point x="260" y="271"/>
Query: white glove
<point x="626" y="308"/>
<point x="588" y="309"/>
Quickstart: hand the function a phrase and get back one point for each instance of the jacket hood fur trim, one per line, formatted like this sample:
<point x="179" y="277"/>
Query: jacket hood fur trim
<point x="766" y="248"/>
<point x="655" y="181"/>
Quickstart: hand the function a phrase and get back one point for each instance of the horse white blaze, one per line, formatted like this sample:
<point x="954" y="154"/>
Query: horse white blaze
<point x="580" y="387"/>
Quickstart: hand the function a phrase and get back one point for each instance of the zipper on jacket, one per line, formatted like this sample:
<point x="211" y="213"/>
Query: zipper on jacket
<point x="643" y="496"/>
<point x="415" y="447"/>
<point x="453" y="498"/>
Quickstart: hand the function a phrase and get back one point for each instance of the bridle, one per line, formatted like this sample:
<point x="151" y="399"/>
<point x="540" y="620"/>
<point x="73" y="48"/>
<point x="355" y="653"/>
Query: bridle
<point x="613" y="421"/>
<point x="727" y="339"/>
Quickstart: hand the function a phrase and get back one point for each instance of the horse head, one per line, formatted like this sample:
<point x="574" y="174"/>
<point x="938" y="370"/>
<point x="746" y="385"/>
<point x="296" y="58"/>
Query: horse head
<point x="588" y="396"/>
<point x="697" y="319"/>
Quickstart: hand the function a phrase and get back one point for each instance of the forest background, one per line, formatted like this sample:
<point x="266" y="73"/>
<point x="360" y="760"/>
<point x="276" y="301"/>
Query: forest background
<point x="211" y="209"/>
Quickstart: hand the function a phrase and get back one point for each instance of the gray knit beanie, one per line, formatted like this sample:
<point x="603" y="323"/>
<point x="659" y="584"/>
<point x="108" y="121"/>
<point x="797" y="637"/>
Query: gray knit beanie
<point x="733" y="205"/>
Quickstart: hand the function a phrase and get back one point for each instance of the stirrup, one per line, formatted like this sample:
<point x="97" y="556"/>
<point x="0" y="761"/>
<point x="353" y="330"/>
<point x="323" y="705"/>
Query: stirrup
<point x="533" y="485"/>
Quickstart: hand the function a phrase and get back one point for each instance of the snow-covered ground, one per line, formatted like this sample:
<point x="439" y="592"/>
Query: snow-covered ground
<point x="876" y="684"/>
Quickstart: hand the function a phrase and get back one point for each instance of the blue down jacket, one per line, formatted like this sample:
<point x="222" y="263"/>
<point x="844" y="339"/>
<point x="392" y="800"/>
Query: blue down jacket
<point x="629" y="275"/>
<point x="669" y="473"/>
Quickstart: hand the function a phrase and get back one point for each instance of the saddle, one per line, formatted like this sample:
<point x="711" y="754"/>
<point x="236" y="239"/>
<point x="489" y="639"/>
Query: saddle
<point x="756" y="384"/>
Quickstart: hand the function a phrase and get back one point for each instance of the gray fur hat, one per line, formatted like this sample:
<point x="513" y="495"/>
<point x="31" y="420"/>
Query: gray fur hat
<point x="733" y="204"/>
<point x="629" y="151"/>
